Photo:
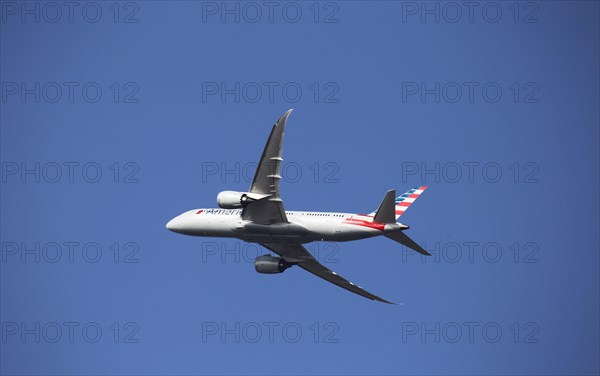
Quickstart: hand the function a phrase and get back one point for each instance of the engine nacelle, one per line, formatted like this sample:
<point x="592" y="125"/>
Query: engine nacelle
<point x="268" y="264"/>
<point x="232" y="199"/>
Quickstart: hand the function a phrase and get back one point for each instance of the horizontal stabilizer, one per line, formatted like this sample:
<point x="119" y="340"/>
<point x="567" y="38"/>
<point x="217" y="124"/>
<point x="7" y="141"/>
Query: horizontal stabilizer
<point x="403" y="239"/>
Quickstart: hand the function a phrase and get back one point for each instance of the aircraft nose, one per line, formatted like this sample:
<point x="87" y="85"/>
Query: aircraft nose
<point x="171" y="224"/>
<point x="174" y="224"/>
<point x="181" y="224"/>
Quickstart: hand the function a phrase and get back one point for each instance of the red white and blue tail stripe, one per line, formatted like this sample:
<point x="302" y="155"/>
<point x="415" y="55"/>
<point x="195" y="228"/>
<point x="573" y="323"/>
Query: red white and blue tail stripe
<point x="406" y="200"/>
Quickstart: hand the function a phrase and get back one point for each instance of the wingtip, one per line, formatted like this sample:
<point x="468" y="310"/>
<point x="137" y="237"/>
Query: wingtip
<point x="392" y="303"/>
<point x="378" y="299"/>
<point x="283" y="118"/>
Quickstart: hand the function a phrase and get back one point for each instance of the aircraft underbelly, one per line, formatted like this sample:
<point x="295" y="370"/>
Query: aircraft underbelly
<point x="337" y="231"/>
<point x="274" y="233"/>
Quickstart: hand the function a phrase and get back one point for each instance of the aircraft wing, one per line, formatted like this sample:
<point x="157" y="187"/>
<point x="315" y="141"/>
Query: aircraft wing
<point x="269" y="209"/>
<point x="298" y="255"/>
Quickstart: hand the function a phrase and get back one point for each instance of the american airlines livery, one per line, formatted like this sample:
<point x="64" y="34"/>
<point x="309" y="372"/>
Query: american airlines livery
<point x="258" y="216"/>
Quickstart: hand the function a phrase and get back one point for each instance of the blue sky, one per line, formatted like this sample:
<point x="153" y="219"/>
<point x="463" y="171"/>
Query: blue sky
<point x="115" y="117"/>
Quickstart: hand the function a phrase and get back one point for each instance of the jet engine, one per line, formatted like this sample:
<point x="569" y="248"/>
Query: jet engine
<point x="268" y="264"/>
<point x="235" y="200"/>
<point x="232" y="199"/>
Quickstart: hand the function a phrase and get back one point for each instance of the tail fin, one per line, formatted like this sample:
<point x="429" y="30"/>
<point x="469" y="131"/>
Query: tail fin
<point x="385" y="213"/>
<point x="401" y="203"/>
<point x="406" y="200"/>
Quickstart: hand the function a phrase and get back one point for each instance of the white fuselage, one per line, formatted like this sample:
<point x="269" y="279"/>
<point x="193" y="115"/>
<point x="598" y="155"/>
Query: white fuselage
<point x="303" y="226"/>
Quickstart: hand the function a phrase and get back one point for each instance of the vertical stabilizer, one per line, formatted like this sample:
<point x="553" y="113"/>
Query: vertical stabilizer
<point x="387" y="209"/>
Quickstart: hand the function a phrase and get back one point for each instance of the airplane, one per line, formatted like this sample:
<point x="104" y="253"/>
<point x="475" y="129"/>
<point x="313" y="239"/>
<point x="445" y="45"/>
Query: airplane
<point x="258" y="216"/>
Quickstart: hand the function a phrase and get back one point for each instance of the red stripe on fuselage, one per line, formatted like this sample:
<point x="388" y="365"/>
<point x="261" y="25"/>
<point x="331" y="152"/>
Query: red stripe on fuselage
<point x="358" y="222"/>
